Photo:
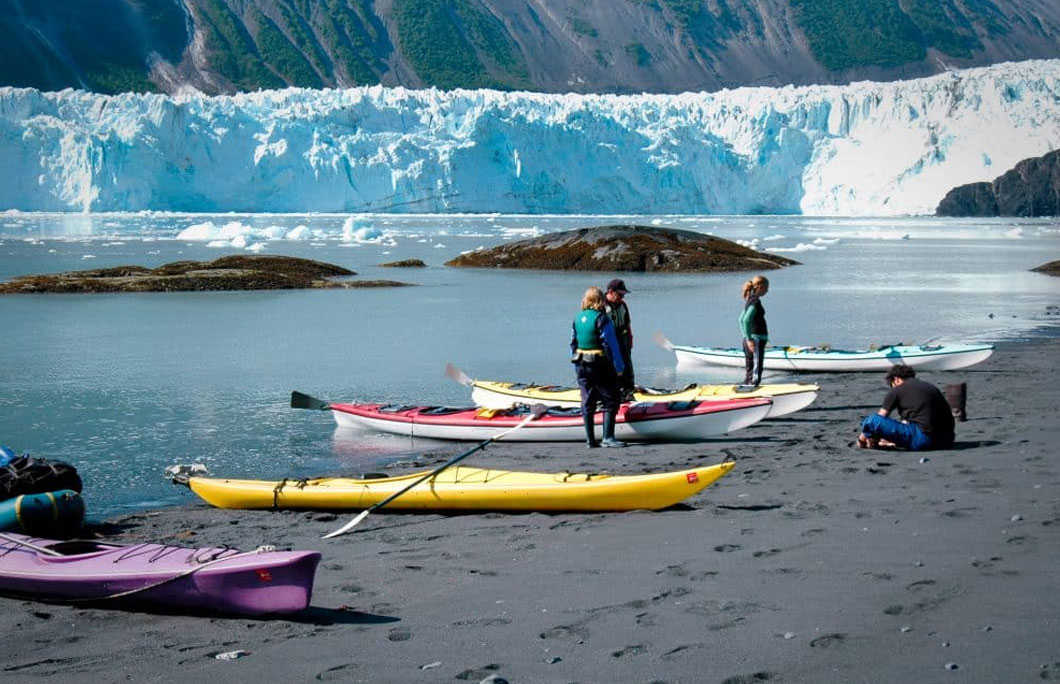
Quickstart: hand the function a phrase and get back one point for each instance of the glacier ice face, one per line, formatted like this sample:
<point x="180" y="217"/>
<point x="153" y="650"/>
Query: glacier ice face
<point x="861" y="149"/>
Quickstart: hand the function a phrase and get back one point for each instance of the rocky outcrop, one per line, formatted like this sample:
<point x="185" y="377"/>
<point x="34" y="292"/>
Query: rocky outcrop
<point x="624" y="248"/>
<point x="1031" y="188"/>
<point x="1052" y="268"/>
<point x="227" y="273"/>
<point x="405" y="263"/>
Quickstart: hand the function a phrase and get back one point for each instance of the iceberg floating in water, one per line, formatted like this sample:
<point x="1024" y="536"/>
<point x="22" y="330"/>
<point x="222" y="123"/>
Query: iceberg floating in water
<point x="861" y="149"/>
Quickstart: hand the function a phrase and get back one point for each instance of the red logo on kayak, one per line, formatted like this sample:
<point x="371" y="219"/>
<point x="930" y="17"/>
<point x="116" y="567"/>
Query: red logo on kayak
<point x="692" y="478"/>
<point x="264" y="575"/>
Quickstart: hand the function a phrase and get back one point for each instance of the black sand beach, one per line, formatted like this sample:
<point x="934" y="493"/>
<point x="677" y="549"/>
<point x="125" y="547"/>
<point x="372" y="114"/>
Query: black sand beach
<point x="811" y="562"/>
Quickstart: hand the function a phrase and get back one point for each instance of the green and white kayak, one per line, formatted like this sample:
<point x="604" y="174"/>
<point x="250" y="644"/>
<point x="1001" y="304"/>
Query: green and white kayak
<point x="827" y="360"/>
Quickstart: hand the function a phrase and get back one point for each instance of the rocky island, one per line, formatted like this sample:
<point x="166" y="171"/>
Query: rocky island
<point x="1031" y="188"/>
<point x="404" y="263"/>
<point x="237" y="272"/>
<point x="1050" y="268"/>
<point x="624" y="248"/>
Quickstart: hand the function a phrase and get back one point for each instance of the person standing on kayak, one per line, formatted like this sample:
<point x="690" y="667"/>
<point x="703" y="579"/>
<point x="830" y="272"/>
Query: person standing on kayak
<point x="754" y="328"/>
<point x="597" y="358"/>
<point x="926" y="418"/>
<point x="618" y="311"/>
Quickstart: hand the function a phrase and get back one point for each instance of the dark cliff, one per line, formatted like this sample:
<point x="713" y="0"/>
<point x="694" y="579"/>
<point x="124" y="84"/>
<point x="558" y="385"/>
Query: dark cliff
<point x="1031" y="188"/>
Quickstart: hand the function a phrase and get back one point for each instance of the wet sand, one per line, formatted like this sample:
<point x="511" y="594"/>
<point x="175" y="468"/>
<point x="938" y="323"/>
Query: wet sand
<point x="812" y="561"/>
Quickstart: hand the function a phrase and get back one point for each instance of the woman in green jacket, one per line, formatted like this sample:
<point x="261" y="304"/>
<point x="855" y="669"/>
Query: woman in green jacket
<point x="754" y="328"/>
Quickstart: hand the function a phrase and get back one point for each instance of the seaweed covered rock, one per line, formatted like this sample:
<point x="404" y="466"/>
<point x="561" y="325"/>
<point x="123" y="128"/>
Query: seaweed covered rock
<point x="237" y="272"/>
<point x="624" y="248"/>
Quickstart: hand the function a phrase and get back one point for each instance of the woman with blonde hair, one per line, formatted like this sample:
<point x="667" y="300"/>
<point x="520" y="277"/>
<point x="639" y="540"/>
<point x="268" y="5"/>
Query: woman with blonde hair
<point x="754" y="328"/>
<point x="598" y="363"/>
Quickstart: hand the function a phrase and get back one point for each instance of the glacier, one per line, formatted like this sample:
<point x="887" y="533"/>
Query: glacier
<point x="863" y="149"/>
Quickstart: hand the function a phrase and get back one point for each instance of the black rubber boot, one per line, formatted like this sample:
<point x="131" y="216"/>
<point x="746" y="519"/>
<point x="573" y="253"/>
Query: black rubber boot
<point x="590" y="431"/>
<point x="609" y="432"/>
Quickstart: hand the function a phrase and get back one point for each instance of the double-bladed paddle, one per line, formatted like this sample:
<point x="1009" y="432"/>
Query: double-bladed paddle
<point x="304" y="401"/>
<point x="536" y="411"/>
<point x="661" y="340"/>
<point x="454" y="373"/>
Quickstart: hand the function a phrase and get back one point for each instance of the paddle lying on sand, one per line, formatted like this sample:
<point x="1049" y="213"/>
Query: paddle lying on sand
<point x="299" y="400"/>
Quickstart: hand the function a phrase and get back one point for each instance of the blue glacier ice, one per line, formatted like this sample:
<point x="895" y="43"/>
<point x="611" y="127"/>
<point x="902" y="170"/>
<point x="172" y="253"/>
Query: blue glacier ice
<point x="856" y="150"/>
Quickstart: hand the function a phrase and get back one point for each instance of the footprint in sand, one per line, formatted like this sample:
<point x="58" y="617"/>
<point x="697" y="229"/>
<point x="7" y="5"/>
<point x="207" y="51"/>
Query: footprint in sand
<point x="636" y="649"/>
<point x="337" y="673"/>
<point x="828" y="641"/>
<point x="481" y="674"/>
<point x="749" y="678"/>
<point x="577" y="631"/>
<point x="1050" y="673"/>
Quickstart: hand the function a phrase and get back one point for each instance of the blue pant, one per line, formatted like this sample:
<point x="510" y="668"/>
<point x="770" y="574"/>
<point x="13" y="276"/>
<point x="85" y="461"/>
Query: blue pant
<point x="753" y="361"/>
<point x="905" y="435"/>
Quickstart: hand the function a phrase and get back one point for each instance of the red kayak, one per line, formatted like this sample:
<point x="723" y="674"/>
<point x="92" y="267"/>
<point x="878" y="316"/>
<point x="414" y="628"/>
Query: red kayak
<point x="684" y="420"/>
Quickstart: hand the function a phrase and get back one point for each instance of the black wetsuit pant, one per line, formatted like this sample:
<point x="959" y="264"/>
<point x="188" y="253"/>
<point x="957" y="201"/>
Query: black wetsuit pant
<point x="599" y="385"/>
<point x="753" y="361"/>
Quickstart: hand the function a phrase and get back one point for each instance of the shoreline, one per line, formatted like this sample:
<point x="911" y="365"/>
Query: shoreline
<point x="812" y="561"/>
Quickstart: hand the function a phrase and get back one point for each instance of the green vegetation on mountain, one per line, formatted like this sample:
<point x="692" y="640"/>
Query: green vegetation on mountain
<point x="589" y="45"/>
<point x="943" y="26"/>
<point x="707" y="25"/>
<point x="355" y="39"/>
<point x="638" y="53"/>
<point x="848" y="33"/>
<point x="232" y="52"/>
<point x="301" y="36"/>
<point x="279" y="53"/>
<point x="583" y="27"/>
<point x="452" y="44"/>
<point x="852" y="33"/>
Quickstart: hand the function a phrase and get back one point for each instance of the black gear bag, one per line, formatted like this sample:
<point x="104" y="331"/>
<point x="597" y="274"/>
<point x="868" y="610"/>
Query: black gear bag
<point x="28" y="475"/>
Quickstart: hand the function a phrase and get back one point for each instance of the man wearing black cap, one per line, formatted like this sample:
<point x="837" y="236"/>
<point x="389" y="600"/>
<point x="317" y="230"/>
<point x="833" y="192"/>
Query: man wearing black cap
<point x="618" y="312"/>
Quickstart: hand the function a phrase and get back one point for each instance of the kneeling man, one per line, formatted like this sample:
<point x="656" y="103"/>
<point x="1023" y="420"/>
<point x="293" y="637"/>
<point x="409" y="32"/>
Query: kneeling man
<point x="926" y="418"/>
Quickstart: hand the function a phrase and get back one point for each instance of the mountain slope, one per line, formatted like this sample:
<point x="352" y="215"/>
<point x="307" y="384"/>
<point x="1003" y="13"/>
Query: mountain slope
<point x="604" y="46"/>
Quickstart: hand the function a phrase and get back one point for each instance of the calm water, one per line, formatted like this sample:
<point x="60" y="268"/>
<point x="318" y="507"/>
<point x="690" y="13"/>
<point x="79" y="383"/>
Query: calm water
<point x="124" y="385"/>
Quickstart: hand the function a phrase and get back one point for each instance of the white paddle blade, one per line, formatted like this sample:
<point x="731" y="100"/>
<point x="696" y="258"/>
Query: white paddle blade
<point x="348" y="526"/>
<point x="454" y="373"/>
<point x="661" y="340"/>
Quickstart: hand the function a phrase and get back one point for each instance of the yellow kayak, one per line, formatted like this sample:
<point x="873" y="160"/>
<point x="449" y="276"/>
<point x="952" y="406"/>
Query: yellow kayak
<point x="786" y="398"/>
<point x="464" y="488"/>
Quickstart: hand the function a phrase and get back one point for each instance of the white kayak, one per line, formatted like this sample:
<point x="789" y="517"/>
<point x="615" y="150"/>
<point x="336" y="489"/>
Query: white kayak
<point x="688" y="420"/>
<point x="827" y="360"/>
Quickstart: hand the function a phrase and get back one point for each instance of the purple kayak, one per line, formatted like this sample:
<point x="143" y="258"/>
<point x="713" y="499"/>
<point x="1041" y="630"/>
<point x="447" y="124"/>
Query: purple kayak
<point x="174" y="578"/>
